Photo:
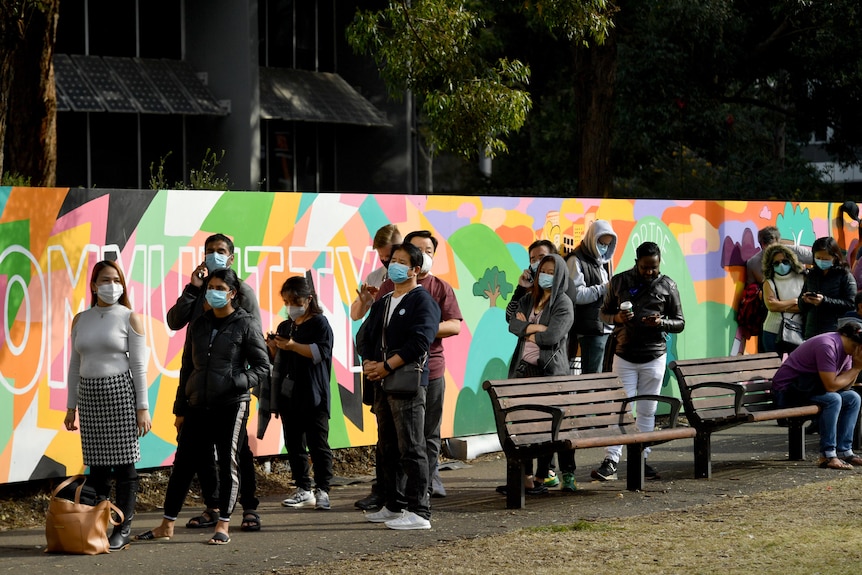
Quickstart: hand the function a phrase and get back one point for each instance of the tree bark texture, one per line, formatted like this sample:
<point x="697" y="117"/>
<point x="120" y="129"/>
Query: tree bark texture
<point x="595" y="76"/>
<point x="31" y="125"/>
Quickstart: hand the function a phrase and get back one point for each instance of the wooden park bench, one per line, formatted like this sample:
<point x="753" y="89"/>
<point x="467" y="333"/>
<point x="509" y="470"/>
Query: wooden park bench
<point x="544" y="415"/>
<point x="722" y="392"/>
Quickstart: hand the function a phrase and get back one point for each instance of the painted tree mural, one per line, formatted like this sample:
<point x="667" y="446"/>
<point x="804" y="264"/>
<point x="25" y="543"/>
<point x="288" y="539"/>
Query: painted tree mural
<point x="493" y="285"/>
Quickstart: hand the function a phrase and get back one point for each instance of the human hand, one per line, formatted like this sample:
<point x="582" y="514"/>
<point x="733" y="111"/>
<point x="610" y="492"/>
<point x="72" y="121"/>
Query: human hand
<point x="520" y="316"/>
<point x="178" y="422"/>
<point x="69" y="421"/>
<point x="198" y="275"/>
<point x="144" y="422"/>
<point x="624" y="316"/>
<point x="857" y="357"/>
<point x="812" y="298"/>
<point x="525" y="280"/>
<point x="653" y="320"/>
<point x="374" y="370"/>
<point x="283" y="342"/>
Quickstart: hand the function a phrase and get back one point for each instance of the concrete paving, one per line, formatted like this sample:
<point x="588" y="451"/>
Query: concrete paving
<point x="747" y="459"/>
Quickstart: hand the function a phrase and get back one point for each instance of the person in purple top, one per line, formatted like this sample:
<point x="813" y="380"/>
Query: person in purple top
<point x="822" y="371"/>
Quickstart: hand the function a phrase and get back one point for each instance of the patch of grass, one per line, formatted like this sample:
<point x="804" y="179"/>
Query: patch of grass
<point x="577" y="526"/>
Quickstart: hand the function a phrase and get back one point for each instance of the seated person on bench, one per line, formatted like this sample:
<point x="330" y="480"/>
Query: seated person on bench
<point x="822" y="371"/>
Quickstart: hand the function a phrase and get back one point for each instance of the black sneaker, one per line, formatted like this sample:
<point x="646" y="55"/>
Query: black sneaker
<point x="370" y="503"/>
<point x="650" y="473"/>
<point x="607" y="471"/>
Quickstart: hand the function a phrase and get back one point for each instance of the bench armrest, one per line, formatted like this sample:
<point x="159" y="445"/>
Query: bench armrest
<point x="673" y="402"/>
<point x="555" y="412"/>
<point x="736" y="388"/>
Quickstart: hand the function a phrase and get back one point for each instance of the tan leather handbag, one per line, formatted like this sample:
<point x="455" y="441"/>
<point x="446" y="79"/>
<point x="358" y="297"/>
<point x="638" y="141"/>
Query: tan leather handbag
<point x="77" y="528"/>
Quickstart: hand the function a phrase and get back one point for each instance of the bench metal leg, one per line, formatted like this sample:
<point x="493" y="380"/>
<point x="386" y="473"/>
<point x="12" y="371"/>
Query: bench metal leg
<point x="796" y="438"/>
<point x="703" y="455"/>
<point x="514" y="484"/>
<point x="635" y="467"/>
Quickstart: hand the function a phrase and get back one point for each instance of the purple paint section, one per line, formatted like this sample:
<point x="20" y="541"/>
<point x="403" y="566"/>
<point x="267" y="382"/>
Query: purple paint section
<point x="445" y="223"/>
<point x="538" y="208"/>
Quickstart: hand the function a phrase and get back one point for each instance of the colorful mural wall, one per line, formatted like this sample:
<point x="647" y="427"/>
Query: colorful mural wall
<point x="50" y="239"/>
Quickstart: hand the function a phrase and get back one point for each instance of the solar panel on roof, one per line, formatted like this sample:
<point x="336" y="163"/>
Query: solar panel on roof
<point x="159" y="74"/>
<point x="132" y="77"/>
<point x="194" y="87"/>
<point x="81" y="96"/>
<point x="62" y="99"/>
<point x="102" y="81"/>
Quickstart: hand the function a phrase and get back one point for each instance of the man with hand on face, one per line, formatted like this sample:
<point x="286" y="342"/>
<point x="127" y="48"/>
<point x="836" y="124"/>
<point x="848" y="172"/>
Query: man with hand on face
<point x="644" y="306"/>
<point x="191" y="304"/>
<point x="384" y="239"/>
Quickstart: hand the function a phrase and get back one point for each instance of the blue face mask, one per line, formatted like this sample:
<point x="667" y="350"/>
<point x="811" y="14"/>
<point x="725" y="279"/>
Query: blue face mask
<point x="534" y="266"/>
<point x="215" y="261"/>
<point x="216" y="298"/>
<point x="398" y="272"/>
<point x="603" y="248"/>
<point x="823" y="264"/>
<point x="546" y="281"/>
<point x="782" y="268"/>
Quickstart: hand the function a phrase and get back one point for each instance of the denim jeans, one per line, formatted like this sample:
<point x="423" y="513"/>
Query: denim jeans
<point x="592" y="352"/>
<point x="401" y="444"/>
<point x="839" y="411"/>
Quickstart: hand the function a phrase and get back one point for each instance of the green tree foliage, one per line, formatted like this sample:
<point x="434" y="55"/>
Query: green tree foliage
<point x="438" y="49"/>
<point x="493" y="285"/>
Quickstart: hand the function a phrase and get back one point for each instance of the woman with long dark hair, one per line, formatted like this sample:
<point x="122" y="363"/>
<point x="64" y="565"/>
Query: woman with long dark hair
<point x="783" y="279"/>
<point x="299" y="392"/>
<point x="107" y="387"/>
<point x="542" y="322"/>
<point x="224" y="358"/>
<point x="829" y="290"/>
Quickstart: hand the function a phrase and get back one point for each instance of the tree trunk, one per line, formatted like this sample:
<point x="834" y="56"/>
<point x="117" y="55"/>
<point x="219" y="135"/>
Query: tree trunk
<point x="595" y="75"/>
<point x="31" y="129"/>
<point x="10" y="38"/>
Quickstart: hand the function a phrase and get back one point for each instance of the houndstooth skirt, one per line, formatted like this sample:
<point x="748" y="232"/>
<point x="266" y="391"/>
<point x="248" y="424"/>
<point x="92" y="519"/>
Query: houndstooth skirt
<point x="108" y="421"/>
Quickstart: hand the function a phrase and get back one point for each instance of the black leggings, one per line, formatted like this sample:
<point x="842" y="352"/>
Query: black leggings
<point x="100" y="477"/>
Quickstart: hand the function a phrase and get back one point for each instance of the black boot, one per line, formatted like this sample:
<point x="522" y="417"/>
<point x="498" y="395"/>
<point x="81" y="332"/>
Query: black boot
<point x="127" y="493"/>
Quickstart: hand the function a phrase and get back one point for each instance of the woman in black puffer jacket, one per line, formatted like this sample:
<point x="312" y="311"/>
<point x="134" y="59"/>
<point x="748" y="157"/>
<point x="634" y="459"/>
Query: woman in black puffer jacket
<point x="224" y="358"/>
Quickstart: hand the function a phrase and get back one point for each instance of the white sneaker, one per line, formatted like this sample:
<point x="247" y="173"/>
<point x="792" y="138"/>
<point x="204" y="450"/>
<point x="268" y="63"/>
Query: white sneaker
<point x="321" y="500"/>
<point x="300" y="498"/>
<point x="408" y="521"/>
<point x="383" y="515"/>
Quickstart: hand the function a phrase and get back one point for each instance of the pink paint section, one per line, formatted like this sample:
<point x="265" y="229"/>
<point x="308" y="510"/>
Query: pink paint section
<point x="394" y="206"/>
<point x="419" y="202"/>
<point x="456" y="349"/>
<point x="353" y="200"/>
<point x="93" y="213"/>
<point x="467" y="210"/>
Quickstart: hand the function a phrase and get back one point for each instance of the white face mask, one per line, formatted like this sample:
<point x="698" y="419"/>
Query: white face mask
<point x="427" y="262"/>
<point x="110" y="293"/>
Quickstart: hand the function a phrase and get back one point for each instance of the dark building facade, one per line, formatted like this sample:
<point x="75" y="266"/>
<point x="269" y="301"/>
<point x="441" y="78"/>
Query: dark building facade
<point x="273" y="83"/>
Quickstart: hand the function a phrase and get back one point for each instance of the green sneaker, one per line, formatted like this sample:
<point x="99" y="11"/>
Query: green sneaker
<point x="569" y="483"/>
<point x="551" y="480"/>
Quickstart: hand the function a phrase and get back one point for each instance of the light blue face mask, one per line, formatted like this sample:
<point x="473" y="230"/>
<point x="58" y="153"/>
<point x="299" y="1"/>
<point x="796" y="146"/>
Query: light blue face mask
<point x="534" y="266"/>
<point x="782" y="268"/>
<point x="217" y="298"/>
<point x="823" y="264"/>
<point x="398" y="272"/>
<point x="603" y="248"/>
<point x="546" y="281"/>
<point x="215" y="261"/>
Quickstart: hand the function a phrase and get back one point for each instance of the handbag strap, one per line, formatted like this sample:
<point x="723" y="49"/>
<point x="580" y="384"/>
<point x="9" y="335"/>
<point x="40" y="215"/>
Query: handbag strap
<point x="68" y="482"/>
<point x="777" y="296"/>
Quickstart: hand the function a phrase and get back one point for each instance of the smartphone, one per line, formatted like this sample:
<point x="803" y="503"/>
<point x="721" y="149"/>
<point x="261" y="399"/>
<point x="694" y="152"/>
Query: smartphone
<point x="810" y="294"/>
<point x="270" y="336"/>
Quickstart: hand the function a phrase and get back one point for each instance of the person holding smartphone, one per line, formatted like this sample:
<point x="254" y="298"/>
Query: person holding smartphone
<point x="829" y="289"/>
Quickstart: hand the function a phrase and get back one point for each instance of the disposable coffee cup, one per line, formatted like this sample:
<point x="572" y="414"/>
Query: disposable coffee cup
<point x="626" y="306"/>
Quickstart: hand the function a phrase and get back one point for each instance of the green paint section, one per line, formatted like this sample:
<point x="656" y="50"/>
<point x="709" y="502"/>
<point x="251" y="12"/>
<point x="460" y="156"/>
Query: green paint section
<point x="6" y="411"/>
<point x="337" y="427"/>
<point x="373" y="215"/>
<point x="480" y="249"/>
<point x="795" y="224"/>
<point x="15" y="264"/>
<point x="251" y="210"/>
<point x="151" y="232"/>
<point x="496" y="343"/>
<point x="473" y="411"/>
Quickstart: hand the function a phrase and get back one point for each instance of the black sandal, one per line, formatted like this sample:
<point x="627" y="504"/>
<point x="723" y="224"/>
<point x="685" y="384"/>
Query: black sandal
<point x="208" y="518"/>
<point x="250" y="521"/>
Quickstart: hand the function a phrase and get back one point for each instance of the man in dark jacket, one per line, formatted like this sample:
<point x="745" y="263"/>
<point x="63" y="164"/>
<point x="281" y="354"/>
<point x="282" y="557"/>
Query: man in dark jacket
<point x="644" y="306"/>
<point x="219" y="254"/>
<point x="398" y="332"/>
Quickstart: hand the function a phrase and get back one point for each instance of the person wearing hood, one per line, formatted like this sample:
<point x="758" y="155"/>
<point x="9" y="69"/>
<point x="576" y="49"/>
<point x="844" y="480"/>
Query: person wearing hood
<point x="542" y="322"/>
<point x="644" y="306"/>
<point x="591" y="268"/>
